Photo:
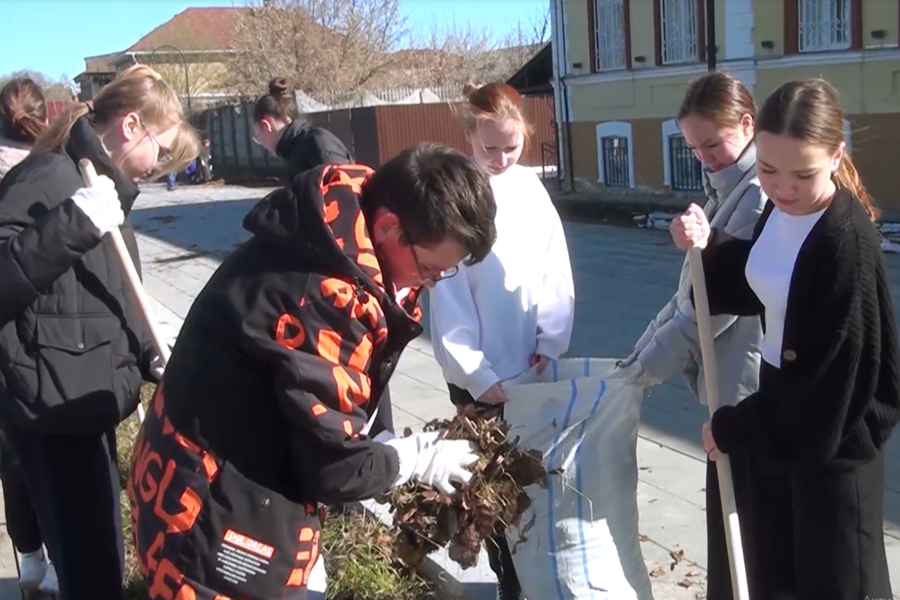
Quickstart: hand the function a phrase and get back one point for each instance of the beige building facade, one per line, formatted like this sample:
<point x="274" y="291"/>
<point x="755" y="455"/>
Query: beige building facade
<point x="621" y="68"/>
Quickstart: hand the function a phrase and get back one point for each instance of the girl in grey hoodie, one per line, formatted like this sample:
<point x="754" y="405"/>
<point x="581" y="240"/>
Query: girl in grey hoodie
<point x="717" y="118"/>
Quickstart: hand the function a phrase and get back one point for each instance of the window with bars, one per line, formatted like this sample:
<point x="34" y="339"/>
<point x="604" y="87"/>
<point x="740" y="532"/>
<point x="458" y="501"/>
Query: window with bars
<point x="823" y="25"/>
<point x="687" y="172"/>
<point x="615" y="162"/>
<point x="680" y="40"/>
<point x="609" y="35"/>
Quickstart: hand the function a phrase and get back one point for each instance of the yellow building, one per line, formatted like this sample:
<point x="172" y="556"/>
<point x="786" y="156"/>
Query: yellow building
<point x="622" y="66"/>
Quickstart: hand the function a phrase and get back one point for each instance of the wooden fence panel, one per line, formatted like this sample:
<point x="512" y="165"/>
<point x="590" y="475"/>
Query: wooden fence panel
<point x="401" y="126"/>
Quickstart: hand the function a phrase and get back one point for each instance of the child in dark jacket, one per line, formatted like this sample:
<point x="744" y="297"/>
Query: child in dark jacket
<point x="262" y="414"/>
<point x="829" y="394"/>
<point x="73" y="345"/>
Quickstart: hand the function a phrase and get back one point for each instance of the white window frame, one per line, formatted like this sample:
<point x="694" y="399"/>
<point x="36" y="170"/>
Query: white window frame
<point x="818" y="30"/>
<point x="848" y="135"/>
<point x="679" y="37"/>
<point x="670" y="129"/>
<point x="609" y="35"/>
<point x="615" y="129"/>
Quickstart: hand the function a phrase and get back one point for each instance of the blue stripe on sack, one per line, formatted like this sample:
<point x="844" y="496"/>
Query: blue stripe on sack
<point x="559" y="589"/>
<point x="555" y="370"/>
<point x="587" y="367"/>
<point x="587" y="575"/>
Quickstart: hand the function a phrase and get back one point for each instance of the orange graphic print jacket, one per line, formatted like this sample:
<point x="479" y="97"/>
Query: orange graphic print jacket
<point x="258" y="420"/>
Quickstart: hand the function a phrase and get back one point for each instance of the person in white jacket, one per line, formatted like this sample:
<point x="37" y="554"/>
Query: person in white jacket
<point x="717" y="118"/>
<point x="515" y="310"/>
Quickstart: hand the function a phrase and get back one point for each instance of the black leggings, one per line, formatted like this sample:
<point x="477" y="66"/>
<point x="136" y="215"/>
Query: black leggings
<point x="497" y="548"/>
<point x="21" y="518"/>
<point x="74" y="486"/>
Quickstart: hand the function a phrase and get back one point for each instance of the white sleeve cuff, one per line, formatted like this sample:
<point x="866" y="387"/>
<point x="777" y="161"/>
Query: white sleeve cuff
<point x="549" y="348"/>
<point x="408" y="453"/>
<point x="481" y="381"/>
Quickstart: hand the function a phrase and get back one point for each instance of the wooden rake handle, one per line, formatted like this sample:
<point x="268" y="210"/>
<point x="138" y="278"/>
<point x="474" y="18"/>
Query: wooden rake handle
<point x="90" y="177"/>
<point x="723" y="465"/>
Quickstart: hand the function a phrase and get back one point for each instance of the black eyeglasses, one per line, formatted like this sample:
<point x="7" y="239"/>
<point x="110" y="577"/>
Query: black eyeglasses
<point x="162" y="154"/>
<point x="428" y="274"/>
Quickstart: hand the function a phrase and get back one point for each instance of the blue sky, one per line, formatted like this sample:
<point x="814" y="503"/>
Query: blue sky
<point x="54" y="36"/>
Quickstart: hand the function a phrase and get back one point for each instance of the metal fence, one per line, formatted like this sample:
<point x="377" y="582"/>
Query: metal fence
<point x="406" y="95"/>
<point x="687" y="172"/>
<point x="615" y="162"/>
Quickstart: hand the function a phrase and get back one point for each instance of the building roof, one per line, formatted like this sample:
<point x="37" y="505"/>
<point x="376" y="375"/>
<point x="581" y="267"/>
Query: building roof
<point x="101" y="63"/>
<point x="535" y="76"/>
<point x="194" y="29"/>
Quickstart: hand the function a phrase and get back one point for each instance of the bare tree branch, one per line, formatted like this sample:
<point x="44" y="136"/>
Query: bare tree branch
<point x="61" y="89"/>
<point x="452" y="55"/>
<point x="342" y="49"/>
<point x="321" y="46"/>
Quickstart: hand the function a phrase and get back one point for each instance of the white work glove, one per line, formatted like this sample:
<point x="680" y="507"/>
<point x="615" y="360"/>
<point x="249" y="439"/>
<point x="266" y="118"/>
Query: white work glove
<point x="634" y="374"/>
<point x="157" y="368"/>
<point x="434" y="462"/>
<point x="101" y="204"/>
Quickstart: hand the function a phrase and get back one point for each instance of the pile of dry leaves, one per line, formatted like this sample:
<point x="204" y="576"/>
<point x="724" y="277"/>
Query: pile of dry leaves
<point x="492" y="501"/>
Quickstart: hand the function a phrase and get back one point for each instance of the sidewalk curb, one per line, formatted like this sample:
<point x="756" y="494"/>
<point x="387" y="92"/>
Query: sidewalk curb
<point x="615" y="209"/>
<point x="621" y="209"/>
<point x="437" y="568"/>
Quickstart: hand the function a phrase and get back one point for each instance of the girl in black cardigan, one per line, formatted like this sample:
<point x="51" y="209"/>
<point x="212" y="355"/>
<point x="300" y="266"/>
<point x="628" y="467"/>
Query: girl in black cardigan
<point x="829" y="397"/>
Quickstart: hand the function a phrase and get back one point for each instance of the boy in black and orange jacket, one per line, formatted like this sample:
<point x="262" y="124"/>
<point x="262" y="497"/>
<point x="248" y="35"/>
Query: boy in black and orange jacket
<point x="261" y="414"/>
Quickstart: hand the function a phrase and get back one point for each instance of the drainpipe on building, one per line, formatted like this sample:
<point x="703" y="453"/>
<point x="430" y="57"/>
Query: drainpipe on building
<point x="556" y="41"/>
<point x="563" y="113"/>
<point x="711" y="35"/>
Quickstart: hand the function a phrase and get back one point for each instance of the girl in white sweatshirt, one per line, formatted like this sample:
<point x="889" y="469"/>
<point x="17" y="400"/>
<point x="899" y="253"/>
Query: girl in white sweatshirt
<point x="515" y="310"/>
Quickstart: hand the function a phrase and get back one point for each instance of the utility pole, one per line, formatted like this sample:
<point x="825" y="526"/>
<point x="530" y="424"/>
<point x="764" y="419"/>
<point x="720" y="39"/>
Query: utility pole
<point x="711" y="35"/>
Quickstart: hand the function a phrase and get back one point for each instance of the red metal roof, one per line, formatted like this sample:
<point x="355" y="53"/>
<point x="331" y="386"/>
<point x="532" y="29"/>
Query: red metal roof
<point x="194" y="29"/>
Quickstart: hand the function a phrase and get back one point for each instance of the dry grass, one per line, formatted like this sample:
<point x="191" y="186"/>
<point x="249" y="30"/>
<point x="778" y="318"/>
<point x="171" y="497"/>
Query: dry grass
<point x="493" y="500"/>
<point x="359" y="552"/>
<point x="356" y="546"/>
<point x="125" y="435"/>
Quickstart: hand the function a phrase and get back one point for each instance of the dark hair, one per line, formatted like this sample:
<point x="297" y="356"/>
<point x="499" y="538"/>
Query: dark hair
<point x="497" y="101"/>
<point x="718" y="97"/>
<point x="278" y="103"/>
<point x="810" y="111"/>
<point x="23" y="111"/>
<point x="437" y="193"/>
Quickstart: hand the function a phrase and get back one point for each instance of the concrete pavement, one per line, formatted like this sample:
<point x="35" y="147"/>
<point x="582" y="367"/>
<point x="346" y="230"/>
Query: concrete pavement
<point x="623" y="276"/>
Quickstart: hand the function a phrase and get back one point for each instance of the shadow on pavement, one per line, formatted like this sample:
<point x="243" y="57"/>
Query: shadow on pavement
<point x="211" y="228"/>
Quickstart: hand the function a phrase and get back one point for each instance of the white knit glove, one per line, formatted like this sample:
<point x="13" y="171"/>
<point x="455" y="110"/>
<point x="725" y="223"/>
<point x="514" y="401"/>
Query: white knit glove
<point x="101" y="204"/>
<point x="434" y="462"/>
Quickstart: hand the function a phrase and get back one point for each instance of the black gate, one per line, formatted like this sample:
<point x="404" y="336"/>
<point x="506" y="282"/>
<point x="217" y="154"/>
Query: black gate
<point x="686" y="170"/>
<point x="615" y="162"/>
